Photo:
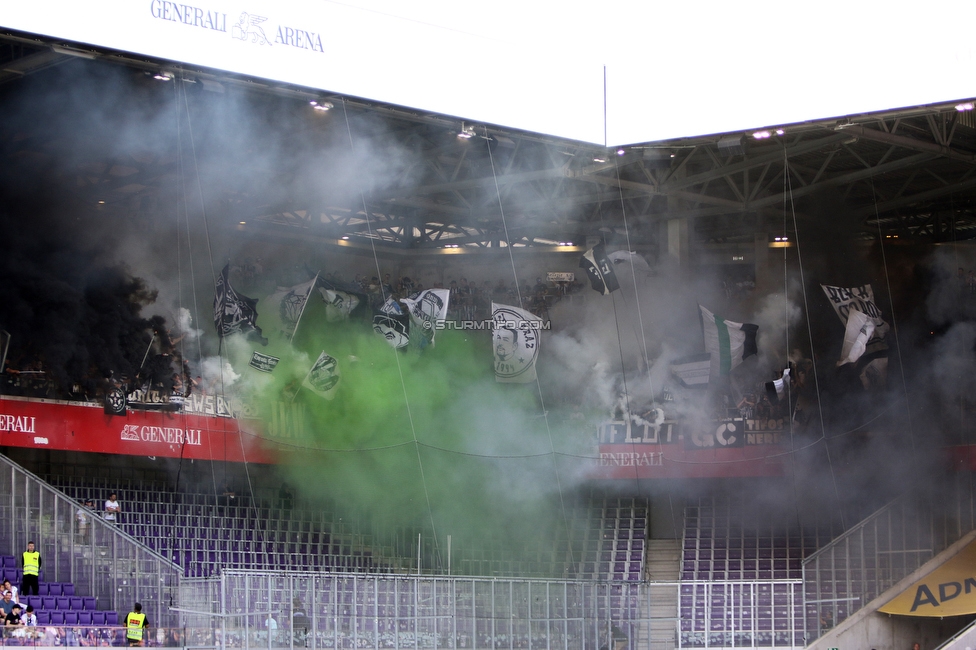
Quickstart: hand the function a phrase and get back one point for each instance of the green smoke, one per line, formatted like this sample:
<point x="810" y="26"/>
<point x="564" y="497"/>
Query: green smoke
<point x="415" y="440"/>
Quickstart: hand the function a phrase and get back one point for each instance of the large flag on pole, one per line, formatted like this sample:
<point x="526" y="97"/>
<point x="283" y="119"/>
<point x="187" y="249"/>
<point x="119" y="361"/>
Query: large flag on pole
<point x="338" y="304"/>
<point x="728" y="342"/>
<point x="392" y="323"/>
<point x="235" y="313"/>
<point x="599" y="269"/>
<point x="845" y="300"/>
<point x="323" y="377"/>
<point x="515" y="340"/>
<point x="425" y="310"/>
<point x="288" y="304"/>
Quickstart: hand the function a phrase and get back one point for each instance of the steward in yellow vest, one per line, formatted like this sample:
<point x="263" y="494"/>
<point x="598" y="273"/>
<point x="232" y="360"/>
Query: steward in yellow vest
<point x="31" y="561"/>
<point x="135" y="623"/>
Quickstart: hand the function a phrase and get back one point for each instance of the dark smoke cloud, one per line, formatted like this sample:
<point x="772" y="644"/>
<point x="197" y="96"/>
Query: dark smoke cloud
<point x="78" y="279"/>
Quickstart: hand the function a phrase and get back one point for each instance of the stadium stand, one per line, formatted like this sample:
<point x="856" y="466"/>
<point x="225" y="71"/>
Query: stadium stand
<point x="204" y="533"/>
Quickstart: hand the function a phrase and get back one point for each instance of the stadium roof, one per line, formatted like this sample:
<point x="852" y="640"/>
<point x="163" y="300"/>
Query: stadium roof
<point x="906" y="172"/>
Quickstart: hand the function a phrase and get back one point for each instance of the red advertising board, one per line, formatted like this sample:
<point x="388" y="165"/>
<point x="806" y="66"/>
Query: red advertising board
<point x="726" y="448"/>
<point x="630" y="461"/>
<point x="46" y="424"/>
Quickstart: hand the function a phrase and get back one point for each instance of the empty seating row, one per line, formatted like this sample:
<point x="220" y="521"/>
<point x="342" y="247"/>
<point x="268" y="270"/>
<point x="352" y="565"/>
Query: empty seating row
<point x="204" y="532"/>
<point x="77" y="618"/>
<point x="86" y="603"/>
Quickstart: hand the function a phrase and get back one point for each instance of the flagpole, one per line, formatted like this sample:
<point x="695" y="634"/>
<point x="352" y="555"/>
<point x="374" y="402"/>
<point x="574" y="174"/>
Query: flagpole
<point x="146" y="355"/>
<point x="304" y="305"/>
<point x="302" y="385"/>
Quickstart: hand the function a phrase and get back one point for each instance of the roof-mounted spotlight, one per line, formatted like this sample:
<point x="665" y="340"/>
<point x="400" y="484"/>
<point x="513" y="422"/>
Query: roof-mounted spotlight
<point x="466" y="132"/>
<point x="965" y="106"/>
<point x="621" y="152"/>
<point x="162" y="75"/>
<point x="345" y="237"/>
<point x="599" y="159"/>
<point x="761" y="135"/>
<point x="780" y="131"/>
<point x="321" y="105"/>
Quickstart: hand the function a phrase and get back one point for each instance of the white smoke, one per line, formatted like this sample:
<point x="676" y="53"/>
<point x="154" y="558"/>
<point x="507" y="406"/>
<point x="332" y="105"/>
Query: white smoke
<point x="185" y="326"/>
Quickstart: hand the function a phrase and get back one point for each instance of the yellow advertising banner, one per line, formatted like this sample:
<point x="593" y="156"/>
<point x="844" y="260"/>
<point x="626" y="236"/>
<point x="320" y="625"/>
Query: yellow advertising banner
<point x="949" y="590"/>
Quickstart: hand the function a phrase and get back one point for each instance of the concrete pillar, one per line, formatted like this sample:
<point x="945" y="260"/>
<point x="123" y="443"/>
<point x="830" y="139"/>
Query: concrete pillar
<point x="675" y="240"/>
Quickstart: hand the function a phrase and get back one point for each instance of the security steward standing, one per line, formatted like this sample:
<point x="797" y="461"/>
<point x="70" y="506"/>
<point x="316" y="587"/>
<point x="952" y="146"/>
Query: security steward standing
<point x="135" y="625"/>
<point x="31" y="562"/>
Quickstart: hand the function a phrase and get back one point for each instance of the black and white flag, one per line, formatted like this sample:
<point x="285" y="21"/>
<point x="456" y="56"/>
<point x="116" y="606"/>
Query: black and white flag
<point x="599" y="269"/>
<point x="426" y="309"/>
<point x="288" y="304"/>
<point x="235" y="313"/>
<point x="338" y="304"/>
<point x="844" y="300"/>
<point x="323" y="378"/>
<point x="515" y="339"/>
<point x="263" y="362"/>
<point x="116" y="401"/>
<point x="859" y="331"/>
<point x="392" y="323"/>
<point x="776" y="389"/>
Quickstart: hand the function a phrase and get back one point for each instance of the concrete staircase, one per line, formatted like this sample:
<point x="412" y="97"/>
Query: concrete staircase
<point x="662" y="569"/>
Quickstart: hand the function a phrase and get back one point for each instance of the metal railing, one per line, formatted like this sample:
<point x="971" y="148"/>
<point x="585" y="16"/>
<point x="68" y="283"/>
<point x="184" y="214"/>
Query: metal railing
<point x="740" y="614"/>
<point x="872" y="556"/>
<point x="253" y="609"/>
<point x="97" y="558"/>
<point x="50" y="636"/>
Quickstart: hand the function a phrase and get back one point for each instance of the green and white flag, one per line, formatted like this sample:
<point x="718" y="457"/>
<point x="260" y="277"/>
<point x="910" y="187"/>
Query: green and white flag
<point x="323" y="378"/>
<point x="728" y="342"/>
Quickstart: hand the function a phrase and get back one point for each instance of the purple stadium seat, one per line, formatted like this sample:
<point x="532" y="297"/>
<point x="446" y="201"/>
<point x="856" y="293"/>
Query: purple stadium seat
<point x="34" y="601"/>
<point x="55" y="589"/>
<point x="84" y="618"/>
<point x="89" y="603"/>
<point x="63" y="602"/>
<point x="98" y="618"/>
<point x="67" y="589"/>
<point x="48" y="602"/>
<point x="8" y="561"/>
<point x="111" y="618"/>
<point x="71" y="618"/>
<point x="57" y="618"/>
<point x="76" y="603"/>
<point x="43" y="618"/>
<point x="42" y="589"/>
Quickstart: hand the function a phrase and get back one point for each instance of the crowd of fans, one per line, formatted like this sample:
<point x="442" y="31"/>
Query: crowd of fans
<point x="470" y="300"/>
<point x="165" y="372"/>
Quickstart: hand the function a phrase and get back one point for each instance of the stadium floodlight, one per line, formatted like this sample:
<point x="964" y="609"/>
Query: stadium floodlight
<point x="321" y="105"/>
<point x="965" y="106"/>
<point x="466" y="132"/>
